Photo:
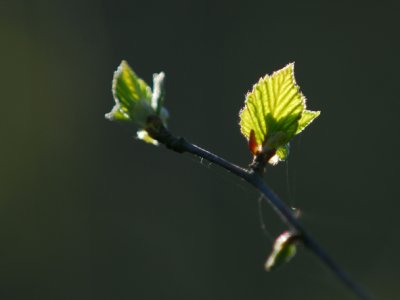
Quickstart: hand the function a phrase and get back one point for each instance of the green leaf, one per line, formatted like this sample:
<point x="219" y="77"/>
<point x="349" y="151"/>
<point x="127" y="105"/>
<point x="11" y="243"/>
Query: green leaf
<point x="128" y="88"/>
<point x="132" y="97"/>
<point x="275" y="108"/>
<point x="158" y="97"/>
<point x="307" y="117"/>
<point x="135" y="102"/>
<point x="283" y="152"/>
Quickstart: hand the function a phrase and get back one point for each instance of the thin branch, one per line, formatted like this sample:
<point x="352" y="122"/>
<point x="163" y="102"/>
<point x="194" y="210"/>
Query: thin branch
<point x="255" y="179"/>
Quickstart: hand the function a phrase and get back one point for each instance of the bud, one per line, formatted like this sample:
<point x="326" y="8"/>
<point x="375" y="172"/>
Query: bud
<point x="135" y="102"/>
<point x="283" y="250"/>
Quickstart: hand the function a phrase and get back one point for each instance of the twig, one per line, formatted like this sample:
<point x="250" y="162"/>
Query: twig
<point x="180" y="145"/>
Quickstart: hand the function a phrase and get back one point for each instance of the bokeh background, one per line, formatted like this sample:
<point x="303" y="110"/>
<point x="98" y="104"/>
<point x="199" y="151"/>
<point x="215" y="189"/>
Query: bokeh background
<point x="88" y="212"/>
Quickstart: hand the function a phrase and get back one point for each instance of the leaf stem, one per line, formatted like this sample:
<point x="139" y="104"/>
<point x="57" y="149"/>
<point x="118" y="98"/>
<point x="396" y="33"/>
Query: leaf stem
<point x="255" y="178"/>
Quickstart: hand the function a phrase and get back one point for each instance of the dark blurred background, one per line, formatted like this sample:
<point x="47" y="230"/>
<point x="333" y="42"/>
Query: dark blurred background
<point x="88" y="212"/>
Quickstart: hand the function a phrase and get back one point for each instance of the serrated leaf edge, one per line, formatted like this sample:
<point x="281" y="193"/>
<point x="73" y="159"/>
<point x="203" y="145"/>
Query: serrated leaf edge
<point x="262" y="81"/>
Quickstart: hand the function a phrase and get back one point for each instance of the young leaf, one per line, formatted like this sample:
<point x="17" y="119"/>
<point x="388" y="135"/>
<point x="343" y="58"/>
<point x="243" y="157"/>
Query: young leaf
<point x="276" y="110"/>
<point x="135" y="102"/>
<point x="129" y="91"/>
<point x="283" y="152"/>
<point x="157" y="99"/>
<point x="307" y="117"/>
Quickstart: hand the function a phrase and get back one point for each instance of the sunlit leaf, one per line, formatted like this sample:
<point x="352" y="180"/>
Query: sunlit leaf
<point x="276" y="110"/>
<point x="306" y="119"/>
<point x="135" y="102"/>
<point x="283" y="152"/>
<point x="132" y="97"/>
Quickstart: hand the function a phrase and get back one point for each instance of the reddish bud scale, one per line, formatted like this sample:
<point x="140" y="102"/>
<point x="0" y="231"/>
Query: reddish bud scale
<point x="253" y="146"/>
